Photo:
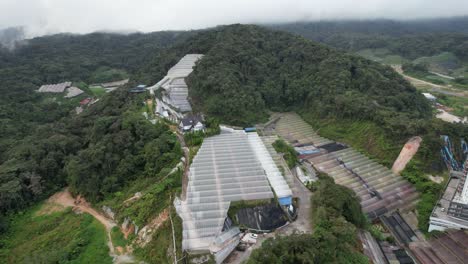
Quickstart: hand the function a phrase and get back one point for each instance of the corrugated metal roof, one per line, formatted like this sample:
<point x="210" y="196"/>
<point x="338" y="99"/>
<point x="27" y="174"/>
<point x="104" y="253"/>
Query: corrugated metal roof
<point x="174" y="84"/>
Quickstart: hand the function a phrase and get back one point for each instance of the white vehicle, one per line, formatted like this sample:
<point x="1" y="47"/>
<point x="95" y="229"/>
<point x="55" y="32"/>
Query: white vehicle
<point x="250" y="238"/>
<point x="254" y="236"/>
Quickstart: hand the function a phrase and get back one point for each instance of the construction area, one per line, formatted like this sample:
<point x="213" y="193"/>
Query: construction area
<point x="230" y="167"/>
<point x="451" y="212"/>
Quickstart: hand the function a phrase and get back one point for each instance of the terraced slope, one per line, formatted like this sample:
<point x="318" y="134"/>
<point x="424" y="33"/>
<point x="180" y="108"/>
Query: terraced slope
<point x="450" y="248"/>
<point x="296" y="131"/>
<point x="379" y="189"/>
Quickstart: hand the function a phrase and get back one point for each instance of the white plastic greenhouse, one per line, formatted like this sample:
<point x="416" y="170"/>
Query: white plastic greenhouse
<point x="228" y="167"/>
<point x="176" y="90"/>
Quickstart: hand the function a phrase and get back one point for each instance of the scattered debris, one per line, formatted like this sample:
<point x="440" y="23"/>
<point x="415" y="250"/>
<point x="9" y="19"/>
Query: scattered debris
<point x="146" y="233"/>
<point x="135" y="197"/>
<point x="128" y="227"/>
<point x="448" y="117"/>
<point x="436" y="179"/>
<point x="108" y="211"/>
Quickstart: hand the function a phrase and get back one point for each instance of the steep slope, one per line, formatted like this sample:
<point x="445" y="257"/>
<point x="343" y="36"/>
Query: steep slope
<point x="248" y="70"/>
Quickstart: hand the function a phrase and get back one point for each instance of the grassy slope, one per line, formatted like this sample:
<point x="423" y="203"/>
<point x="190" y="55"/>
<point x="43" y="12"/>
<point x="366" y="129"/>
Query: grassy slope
<point x="97" y="90"/>
<point x="381" y="55"/>
<point x="155" y="197"/>
<point x="444" y="62"/>
<point x="364" y="136"/>
<point x="61" y="237"/>
<point x="160" y="249"/>
<point x="459" y="104"/>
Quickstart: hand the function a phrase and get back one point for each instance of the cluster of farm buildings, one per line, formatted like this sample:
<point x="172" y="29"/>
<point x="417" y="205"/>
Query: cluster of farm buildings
<point x="241" y="166"/>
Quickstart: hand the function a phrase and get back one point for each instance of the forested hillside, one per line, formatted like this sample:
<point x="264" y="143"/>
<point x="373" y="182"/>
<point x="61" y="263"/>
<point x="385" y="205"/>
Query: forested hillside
<point x="249" y="70"/>
<point x="52" y="59"/>
<point x="442" y="44"/>
<point x="38" y="134"/>
<point x="410" y="39"/>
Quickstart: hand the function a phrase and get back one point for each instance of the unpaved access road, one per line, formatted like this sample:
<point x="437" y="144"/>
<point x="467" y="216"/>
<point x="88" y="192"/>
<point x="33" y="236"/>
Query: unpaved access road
<point x="432" y="86"/>
<point x="65" y="199"/>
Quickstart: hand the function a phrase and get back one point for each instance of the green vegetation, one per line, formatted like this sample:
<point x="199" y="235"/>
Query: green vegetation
<point x="106" y="74"/>
<point x="336" y="213"/>
<point x="110" y="152"/>
<point x="156" y="193"/>
<point x="444" y="62"/>
<point x="118" y="239"/>
<point x="430" y="192"/>
<point x="97" y="91"/>
<point x="364" y="136"/>
<point x="385" y="147"/>
<point x="61" y="237"/>
<point x="376" y="232"/>
<point x="408" y="39"/>
<point x="38" y="135"/>
<point x="160" y="249"/>
<point x="381" y="55"/>
<point x="332" y="201"/>
<point x="289" y="154"/>
<point x="194" y="139"/>
<point x="459" y="104"/>
<point x="240" y="78"/>
<point x="421" y="71"/>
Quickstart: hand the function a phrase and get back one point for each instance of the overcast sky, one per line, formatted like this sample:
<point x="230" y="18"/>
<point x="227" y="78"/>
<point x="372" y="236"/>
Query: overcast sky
<point x="83" y="16"/>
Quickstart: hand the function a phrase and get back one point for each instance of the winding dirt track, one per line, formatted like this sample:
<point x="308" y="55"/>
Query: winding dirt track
<point x="65" y="199"/>
<point x="432" y="86"/>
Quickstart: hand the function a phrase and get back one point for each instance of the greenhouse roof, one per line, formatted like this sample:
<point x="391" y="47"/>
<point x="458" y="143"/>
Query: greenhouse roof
<point x="228" y="167"/>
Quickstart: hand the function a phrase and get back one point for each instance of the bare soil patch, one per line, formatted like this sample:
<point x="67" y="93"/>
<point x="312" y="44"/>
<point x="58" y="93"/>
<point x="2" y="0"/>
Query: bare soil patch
<point x="406" y="154"/>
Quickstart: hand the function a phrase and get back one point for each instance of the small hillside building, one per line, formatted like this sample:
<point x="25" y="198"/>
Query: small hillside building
<point x="429" y="97"/>
<point x="192" y="123"/>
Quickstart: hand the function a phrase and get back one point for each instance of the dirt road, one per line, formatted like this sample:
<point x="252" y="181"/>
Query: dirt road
<point x="432" y="86"/>
<point x="302" y="223"/>
<point x="65" y="199"/>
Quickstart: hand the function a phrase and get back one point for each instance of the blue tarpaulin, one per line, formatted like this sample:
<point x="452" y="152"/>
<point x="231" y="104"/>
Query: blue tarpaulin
<point x="285" y="200"/>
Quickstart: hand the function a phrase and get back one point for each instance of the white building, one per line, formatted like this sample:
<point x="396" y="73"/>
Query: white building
<point x="192" y="123"/>
<point x="232" y="166"/>
<point x="429" y="96"/>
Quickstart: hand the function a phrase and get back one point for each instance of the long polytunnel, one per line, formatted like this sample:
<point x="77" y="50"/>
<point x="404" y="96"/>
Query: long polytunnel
<point x="228" y="167"/>
<point x="174" y="83"/>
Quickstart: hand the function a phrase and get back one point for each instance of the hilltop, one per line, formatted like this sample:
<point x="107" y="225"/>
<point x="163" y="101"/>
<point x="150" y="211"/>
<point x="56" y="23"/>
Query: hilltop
<point x="110" y="152"/>
<point x="438" y="44"/>
<point x="248" y="70"/>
